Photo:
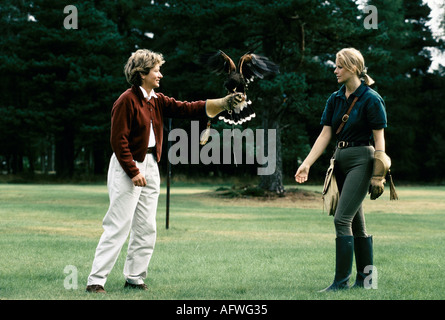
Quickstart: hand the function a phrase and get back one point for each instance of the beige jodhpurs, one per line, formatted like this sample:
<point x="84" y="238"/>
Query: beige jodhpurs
<point x="132" y="210"/>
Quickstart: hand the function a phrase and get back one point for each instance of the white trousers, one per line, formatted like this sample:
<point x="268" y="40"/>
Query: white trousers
<point x="132" y="210"/>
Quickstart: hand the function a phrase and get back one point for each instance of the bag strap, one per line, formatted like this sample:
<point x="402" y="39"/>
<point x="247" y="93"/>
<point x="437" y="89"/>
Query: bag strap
<point x="345" y="117"/>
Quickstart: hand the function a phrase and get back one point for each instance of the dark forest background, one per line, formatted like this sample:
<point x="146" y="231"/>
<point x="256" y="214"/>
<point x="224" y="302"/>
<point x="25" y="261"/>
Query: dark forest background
<point x="58" y="85"/>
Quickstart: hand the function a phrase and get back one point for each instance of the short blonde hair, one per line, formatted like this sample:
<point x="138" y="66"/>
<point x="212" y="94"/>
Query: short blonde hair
<point x="139" y="62"/>
<point x="353" y="61"/>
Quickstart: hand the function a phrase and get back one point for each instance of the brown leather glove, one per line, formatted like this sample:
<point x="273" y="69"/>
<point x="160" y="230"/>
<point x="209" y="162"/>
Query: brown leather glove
<point x="382" y="163"/>
<point x="229" y="102"/>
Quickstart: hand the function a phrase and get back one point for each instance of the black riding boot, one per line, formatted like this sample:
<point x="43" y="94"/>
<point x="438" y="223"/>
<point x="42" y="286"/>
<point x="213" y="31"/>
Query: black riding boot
<point x="344" y="250"/>
<point x="363" y="258"/>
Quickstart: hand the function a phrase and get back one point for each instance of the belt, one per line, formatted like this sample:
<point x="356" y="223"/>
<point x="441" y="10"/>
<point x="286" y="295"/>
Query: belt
<point x="151" y="150"/>
<point x="346" y="144"/>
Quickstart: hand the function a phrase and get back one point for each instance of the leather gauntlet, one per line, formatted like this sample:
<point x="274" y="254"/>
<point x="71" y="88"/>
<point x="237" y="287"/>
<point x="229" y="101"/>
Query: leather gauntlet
<point x="382" y="163"/>
<point x="228" y="103"/>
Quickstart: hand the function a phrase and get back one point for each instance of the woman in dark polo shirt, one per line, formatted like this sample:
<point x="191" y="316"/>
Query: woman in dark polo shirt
<point x="361" y="138"/>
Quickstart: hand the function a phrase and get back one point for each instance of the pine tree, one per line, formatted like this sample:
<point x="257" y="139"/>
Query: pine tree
<point x="60" y="82"/>
<point x="399" y="62"/>
<point x="299" y="35"/>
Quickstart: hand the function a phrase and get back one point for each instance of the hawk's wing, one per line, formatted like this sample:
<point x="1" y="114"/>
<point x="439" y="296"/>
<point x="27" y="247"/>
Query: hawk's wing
<point x="219" y="62"/>
<point x="253" y="65"/>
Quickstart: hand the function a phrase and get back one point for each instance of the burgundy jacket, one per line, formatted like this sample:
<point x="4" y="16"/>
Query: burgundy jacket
<point x="130" y="124"/>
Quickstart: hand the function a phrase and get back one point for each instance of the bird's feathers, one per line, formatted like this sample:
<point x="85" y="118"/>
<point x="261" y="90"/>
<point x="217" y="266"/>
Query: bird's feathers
<point x="250" y="66"/>
<point x="219" y="62"/>
<point x="253" y="65"/>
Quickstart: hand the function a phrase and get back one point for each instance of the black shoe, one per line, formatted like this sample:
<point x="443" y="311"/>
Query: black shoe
<point x="344" y="251"/>
<point x="142" y="286"/>
<point x="95" y="288"/>
<point x="363" y="258"/>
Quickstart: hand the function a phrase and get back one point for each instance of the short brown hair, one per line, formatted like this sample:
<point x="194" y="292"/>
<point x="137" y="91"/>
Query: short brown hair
<point x="139" y="62"/>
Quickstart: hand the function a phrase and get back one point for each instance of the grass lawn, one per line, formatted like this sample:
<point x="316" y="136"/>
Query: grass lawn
<point x="217" y="248"/>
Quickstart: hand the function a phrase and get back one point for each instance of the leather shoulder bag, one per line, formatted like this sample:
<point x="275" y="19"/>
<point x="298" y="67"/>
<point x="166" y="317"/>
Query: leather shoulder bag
<point x="330" y="192"/>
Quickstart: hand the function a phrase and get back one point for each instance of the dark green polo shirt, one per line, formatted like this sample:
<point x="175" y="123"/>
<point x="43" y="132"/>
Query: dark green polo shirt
<point x="368" y="114"/>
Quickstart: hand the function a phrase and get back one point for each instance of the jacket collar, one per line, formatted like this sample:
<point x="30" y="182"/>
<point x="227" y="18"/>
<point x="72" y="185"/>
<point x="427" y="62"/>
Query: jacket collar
<point x="142" y="94"/>
<point x="148" y="96"/>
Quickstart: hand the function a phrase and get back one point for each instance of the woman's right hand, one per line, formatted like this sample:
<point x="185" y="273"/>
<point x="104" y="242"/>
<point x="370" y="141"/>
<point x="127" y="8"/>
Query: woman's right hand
<point x="317" y="150"/>
<point x="302" y="173"/>
<point x="139" y="180"/>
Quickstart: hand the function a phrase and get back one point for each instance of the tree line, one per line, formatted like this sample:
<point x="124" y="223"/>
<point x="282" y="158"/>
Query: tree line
<point x="58" y="84"/>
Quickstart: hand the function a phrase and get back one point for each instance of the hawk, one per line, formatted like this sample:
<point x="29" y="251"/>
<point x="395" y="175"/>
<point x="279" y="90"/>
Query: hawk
<point x="250" y="66"/>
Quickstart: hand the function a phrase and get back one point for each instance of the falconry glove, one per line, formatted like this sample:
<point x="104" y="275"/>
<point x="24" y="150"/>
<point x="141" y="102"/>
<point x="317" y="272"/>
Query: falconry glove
<point x="228" y="103"/>
<point x="382" y="163"/>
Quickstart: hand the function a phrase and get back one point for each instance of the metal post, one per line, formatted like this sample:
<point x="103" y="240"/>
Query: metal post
<point x="169" y="172"/>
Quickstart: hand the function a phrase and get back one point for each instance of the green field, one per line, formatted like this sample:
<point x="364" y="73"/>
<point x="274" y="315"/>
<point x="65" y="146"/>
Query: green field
<point x="218" y="248"/>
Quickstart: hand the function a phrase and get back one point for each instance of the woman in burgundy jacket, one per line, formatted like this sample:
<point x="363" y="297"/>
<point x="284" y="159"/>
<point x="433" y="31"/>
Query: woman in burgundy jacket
<point x="133" y="175"/>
